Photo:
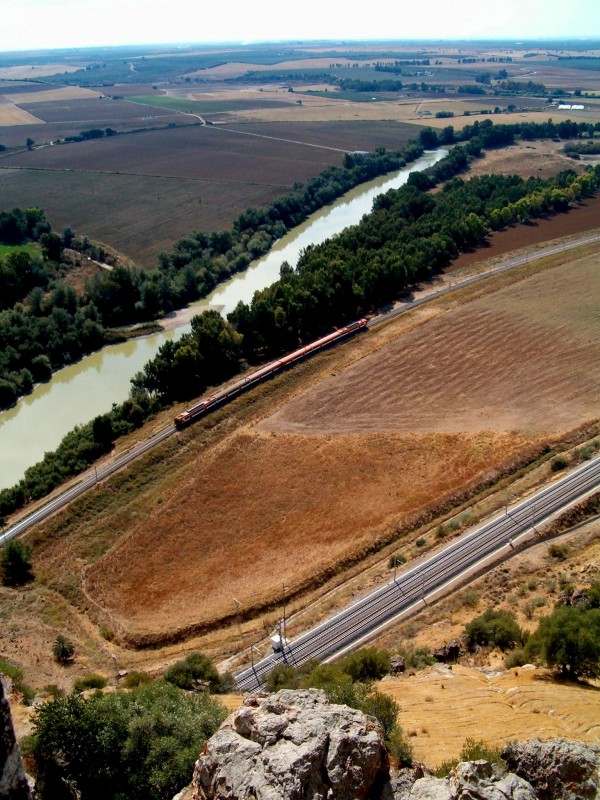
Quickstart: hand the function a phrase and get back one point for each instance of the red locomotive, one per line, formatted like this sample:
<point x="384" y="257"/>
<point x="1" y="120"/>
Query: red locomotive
<point x="208" y="404"/>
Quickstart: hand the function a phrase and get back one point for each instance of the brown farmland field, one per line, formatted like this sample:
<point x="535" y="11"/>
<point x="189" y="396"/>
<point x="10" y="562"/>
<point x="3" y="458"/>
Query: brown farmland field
<point x="415" y="419"/>
<point x="142" y="192"/>
<point x="137" y="215"/>
<point x="203" y="152"/>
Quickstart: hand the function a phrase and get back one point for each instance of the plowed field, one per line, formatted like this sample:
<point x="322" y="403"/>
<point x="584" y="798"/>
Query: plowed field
<point x="344" y="463"/>
<point x="519" y="359"/>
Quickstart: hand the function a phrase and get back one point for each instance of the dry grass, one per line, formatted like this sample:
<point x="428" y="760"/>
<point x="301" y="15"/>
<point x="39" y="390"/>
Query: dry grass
<point x="53" y="95"/>
<point x="512" y="360"/>
<point x="11" y="114"/>
<point x="440" y="708"/>
<point x="29" y="71"/>
<point x="347" y="461"/>
<point x="268" y="509"/>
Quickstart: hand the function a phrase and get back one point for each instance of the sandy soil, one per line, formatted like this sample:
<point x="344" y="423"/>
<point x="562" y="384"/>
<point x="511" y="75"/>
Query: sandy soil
<point x="53" y="95"/>
<point x="11" y="114"/>
<point x="441" y="707"/>
<point x="30" y="71"/>
<point x="541" y="159"/>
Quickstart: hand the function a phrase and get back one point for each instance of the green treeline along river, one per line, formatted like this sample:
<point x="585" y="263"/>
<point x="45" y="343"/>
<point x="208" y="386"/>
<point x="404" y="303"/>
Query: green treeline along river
<point x="81" y="391"/>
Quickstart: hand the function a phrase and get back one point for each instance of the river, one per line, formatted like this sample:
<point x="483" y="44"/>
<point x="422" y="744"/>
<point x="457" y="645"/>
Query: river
<point x="81" y="391"/>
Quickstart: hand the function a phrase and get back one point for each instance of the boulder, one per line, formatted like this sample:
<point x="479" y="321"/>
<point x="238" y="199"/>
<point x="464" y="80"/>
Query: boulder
<point x="13" y="783"/>
<point x="449" y="653"/>
<point x="397" y="665"/>
<point x="481" y="780"/>
<point x="292" y="745"/>
<point x="558" y="769"/>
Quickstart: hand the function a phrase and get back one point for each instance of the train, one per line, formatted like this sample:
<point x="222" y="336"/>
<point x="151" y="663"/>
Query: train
<point x="266" y="372"/>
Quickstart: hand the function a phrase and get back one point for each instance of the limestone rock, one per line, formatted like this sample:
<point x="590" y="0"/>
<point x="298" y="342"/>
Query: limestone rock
<point x="450" y="652"/>
<point x="558" y="769"/>
<point x="292" y="745"/>
<point x="480" y="780"/>
<point x="397" y="665"/>
<point x="13" y="784"/>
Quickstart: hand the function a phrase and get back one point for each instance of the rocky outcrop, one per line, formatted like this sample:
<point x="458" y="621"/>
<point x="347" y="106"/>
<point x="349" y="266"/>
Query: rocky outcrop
<point x="471" y="780"/>
<point x="449" y="653"/>
<point x="292" y="745"/>
<point x="397" y="665"/>
<point x="13" y="784"/>
<point x="295" y="745"/>
<point x="558" y="769"/>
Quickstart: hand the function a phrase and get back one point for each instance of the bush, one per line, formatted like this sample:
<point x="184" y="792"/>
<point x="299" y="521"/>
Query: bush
<point x="558" y="551"/>
<point x="396" y="561"/>
<point x="493" y="629"/>
<point x="417" y="657"/>
<point x="63" y="650"/>
<point x="91" y="681"/>
<point x="399" y="748"/>
<point x="197" y="673"/>
<point x="282" y="676"/>
<point x="368" y="664"/>
<point x="133" y="679"/>
<point x="478" y="750"/>
<point x="472" y="750"/>
<point x="15" y="564"/>
<point x="558" y="463"/>
<point x="470" y="598"/>
<point x="15" y="673"/>
<point x="139" y="745"/>
<point x="569" y="639"/>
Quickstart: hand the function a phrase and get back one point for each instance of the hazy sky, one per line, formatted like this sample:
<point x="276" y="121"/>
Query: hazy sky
<point x="28" y="24"/>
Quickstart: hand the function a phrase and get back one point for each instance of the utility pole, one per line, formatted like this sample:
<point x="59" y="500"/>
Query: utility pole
<point x="237" y="616"/>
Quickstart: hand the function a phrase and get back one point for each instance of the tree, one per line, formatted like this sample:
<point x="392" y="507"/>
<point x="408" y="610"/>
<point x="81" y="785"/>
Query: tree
<point x="15" y="564"/>
<point x="63" y="649"/>
<point x="569" y="639"/>
<point x="493" y="629"/>
<point x="134" y="745"/>
<point x="29" y="142"/>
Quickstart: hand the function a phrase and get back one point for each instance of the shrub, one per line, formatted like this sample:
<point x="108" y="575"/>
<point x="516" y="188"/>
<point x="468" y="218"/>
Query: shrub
<point x="15" y="564"/>
<point x="133" y="679"/>
<point x="139" y="745"/>
<point x="399" y="748"/>
<point x="558" y="551"/>
<point x="367" y="664"/>
<point x="282" y="676"/>
<point x="472" y="750"/>
<point x="470" y="598"/>
<point x="420" y="542"/>
<point x="91" y="681"/>
<point x="196" y="673"/>
<point x="493" y="629"/>
<point x="558" y="463"/>
<point x="15" y="673"/>
<point x="417" y="657"/>
<point x="396" y="561"/>
<point x="478" y="750"/>
<point x="569" y="639"/>
<point x="63" y="649"/>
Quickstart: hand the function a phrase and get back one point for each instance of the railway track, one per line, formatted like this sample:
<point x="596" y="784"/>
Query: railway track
<point x="360" y="621"/>
<point x="92" y="478"/>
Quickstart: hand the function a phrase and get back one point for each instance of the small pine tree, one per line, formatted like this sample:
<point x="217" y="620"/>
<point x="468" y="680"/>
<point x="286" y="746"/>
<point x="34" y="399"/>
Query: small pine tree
<point x="15" y="564"/>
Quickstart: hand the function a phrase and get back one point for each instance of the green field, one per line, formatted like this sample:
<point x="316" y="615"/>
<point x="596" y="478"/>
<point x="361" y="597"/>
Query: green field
<point x="5" y="249"/>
